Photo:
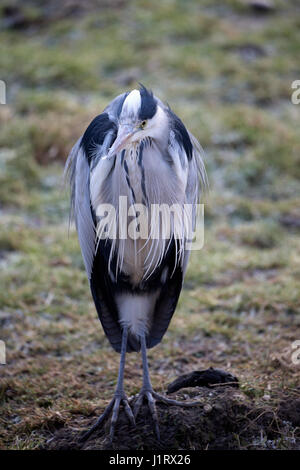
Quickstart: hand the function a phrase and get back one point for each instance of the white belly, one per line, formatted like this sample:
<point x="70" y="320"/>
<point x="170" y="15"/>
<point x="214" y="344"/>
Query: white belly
<point x="136" y="311"/>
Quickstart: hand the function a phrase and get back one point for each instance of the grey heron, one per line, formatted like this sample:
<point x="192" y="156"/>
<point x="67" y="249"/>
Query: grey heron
<point x="138" y="149"/>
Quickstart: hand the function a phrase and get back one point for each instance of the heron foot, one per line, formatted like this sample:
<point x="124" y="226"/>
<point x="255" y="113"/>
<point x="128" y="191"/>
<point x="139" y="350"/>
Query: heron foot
<point x="112" y="408"/>
<point x="153" y="397"/>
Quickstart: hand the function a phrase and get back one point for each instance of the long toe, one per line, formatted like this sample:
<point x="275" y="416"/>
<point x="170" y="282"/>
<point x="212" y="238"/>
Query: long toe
<point x="99" y="423"/>
<point x="148" y="395"/>
<point x="138" y="403"/>
<point x="153" y="411"/>
<point x="128" y="412"/>
<point x="113" y="409"/>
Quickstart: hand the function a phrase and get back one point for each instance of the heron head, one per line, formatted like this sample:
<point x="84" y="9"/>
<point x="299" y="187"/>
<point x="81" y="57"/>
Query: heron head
<point x="141" y="116"/>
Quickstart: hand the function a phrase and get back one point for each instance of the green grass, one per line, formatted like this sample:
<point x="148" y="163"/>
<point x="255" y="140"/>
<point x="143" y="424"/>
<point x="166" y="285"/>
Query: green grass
<point x="240" y="306"/>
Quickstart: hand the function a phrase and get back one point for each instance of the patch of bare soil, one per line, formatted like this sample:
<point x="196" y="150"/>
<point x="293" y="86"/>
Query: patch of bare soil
<point x="225" y="419"/>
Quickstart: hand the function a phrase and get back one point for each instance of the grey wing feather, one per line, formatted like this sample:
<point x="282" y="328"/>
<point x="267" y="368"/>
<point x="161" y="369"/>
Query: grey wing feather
<point x="197" y="184"/>
<point x="77" y="169"/>
<point x="165" y="306"/>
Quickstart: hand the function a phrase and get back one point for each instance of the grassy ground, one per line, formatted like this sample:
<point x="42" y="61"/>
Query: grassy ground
<point x="227" y="71"/>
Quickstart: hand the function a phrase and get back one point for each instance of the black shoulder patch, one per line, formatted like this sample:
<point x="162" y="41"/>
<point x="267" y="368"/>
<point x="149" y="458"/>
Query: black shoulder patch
<point x="95" y="133"/>
<point x="181" y="134"/>
<point x="148" y="103"/>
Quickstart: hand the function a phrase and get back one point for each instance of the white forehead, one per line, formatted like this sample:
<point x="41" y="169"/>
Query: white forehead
<point x="132" y="103"/>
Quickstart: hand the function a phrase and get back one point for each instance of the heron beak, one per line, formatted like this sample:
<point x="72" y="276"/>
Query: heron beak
<point x="123" y="138"/>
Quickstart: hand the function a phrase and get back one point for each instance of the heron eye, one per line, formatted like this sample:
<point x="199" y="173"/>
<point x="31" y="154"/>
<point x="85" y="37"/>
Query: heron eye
<point x="143" y="124"/>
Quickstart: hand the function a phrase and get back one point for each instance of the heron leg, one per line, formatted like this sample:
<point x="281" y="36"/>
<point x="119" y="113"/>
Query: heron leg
<point x="119" y="397"/>
<point x="151" y="396"/>
<point x="147" y="390"/>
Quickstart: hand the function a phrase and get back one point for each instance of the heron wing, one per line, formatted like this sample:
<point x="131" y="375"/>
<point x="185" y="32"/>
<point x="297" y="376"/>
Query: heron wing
<point x="165" y="306"/>
<point x="79" y="173"/>
<point x="83" y="156"/>
<point x="190" y="157"/>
